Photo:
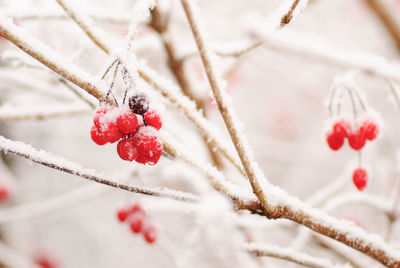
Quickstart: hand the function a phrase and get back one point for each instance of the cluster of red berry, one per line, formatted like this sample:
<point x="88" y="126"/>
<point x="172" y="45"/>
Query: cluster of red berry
<point x="341" y="129"/>
<point x="135" y="216"/>
<point x="357" y="138"/>
<point x="135" y="129"/>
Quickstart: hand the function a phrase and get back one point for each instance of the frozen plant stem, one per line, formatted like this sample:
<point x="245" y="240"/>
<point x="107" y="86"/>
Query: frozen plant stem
<point x="386" y="18"/>
<point x="288" y="254"/>
<point x="227" y="113"/>
<point x="177" y="68"/>
<point x="289" y="15"/>
<point x="48" y="57"/>
<point x="56" y="162"/>
<point x="83" y="25"/>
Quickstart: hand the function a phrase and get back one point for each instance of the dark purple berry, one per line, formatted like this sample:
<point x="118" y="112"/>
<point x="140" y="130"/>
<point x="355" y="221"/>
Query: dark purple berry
<point x="139" y="104"/>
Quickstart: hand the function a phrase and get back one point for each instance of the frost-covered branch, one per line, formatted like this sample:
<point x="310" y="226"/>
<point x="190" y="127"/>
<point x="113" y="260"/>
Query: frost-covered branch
<point x="8" y="112"/>
<point x="387" y="20"/>
<point x="315" y="49"/>
<point x="84" y="23"/>
<point x="225" y="108"/>
<point x="240" y="195"/>
<point x="289" y="254"/>
<point x="64" y="165"/>
<point x="32" y="14"/>
<point x="48" y="57"/>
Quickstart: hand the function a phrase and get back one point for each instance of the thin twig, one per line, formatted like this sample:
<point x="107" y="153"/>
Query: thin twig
<point x="289" y="15"/>
<point x="160" y="25"/>
<point x="83" y="25"/>
<point x="47" y="57"/>
<point x="289" y="254"/>
<point x="12" y="113"/>
<point x="226" y="111"/>
<point x="386" y="18"/>
<point x="61" y="164"/>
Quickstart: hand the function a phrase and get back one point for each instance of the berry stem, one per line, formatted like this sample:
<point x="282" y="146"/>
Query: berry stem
<point x="111" y="86"/>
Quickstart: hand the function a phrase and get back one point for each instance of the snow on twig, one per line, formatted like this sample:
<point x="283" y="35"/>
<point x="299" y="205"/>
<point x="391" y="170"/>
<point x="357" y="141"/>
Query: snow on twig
<point x="57" y="162"/>
<point x="313" y="48"/>
<point x="8" y="112"/>
<point x="289" y="254"/>
<point x="224" y="105"/>
<point x="48" y="57"/>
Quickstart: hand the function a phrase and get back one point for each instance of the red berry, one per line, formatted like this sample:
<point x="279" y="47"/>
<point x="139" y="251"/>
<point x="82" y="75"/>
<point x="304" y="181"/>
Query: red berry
<point x="122" y="215"/>
<point x="150" y="234"/>
<point x="149" y="148"/>
<point x="136" y="208"/>
<point x="3" y="194"/>
<point x="152" y="118"/>
<point x="369" y="129"/>
<point x="99" y="117"/>
<point x="360" y="178"/>
<point x="136" y="222"/>
<point x="341" y="128"/>
<point x="45" y="262"/>
<point x="127" y="150"/>
<point x="97" y="136"/>
<point x="112" y="133"/>
<point x="357" y="140"/>
<point x="334" y="140"/>
<point x="127" y="122"/>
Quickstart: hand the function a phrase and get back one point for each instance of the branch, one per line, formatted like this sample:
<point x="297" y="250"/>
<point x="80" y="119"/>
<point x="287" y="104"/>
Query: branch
<point x="64" y="165"/>
<point x="287" y="18"/>
<point x="48" y="57"/>
<point x="387" y="20"/>
<point x="39" y="113"/>
<point x="227" y="112"/>
<point x="84" y="24"/>
<point x="289" y="254"/>
<point x="315" y="49"/>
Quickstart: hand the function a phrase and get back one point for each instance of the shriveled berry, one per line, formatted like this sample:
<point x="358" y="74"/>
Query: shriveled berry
<point x="341" y="128"/>
<point x="360" y="178"/>
<point x="99" y="117"/>
<point x="150" y="234"/>
<point x="122" y="214"/>
<point x="127" y="150"/>
<point x="112" y="133"/>
<point x="127" y="122"/>
<point x="357" y="140"/>
<point x="138" y="103"/>
<point x="369" y="129"/>
<point x="136" y="223"/>
<point x="152" y="118"/>
<point x="4" y="193"/>
<point x="334" y="140"/>
<point x="98" y="136"/>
